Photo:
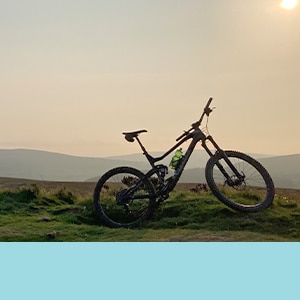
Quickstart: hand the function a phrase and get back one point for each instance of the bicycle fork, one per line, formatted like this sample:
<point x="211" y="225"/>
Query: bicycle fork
<point x="239" y="179"/>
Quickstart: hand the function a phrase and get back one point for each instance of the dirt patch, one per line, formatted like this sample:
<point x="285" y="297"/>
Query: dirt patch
<point x="8" y="232"/>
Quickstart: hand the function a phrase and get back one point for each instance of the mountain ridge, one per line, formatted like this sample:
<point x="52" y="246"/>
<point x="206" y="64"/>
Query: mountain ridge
<point x="53" y="166"/>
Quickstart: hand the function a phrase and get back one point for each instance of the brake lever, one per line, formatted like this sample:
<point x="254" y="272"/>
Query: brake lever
<point x="184" y="134"/>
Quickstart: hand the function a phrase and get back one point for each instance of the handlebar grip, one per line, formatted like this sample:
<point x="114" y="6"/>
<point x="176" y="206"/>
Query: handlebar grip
<point x="207" y="109"/>
<point x="208" y="102"/>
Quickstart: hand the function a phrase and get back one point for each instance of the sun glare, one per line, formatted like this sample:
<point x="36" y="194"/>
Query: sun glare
<point x="288" y="4"/>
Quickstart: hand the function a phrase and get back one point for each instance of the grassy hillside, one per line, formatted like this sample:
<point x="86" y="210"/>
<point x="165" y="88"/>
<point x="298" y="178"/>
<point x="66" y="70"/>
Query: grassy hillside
<point x="49" y="211"/>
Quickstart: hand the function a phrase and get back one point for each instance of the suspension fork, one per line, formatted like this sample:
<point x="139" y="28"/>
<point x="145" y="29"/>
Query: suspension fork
<point x="223" y="155"/>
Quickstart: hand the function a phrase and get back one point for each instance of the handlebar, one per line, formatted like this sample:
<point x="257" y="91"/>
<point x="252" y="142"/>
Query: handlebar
<point x="206" y="111"/>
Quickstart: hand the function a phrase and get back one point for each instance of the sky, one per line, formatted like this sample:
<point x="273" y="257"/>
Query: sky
<point x="76" y="74"/>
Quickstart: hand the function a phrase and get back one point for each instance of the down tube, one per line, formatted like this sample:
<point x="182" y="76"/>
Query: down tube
<point x="183" y="163"/>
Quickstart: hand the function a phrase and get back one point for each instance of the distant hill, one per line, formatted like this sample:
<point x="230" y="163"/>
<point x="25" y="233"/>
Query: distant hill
<point x="285" y="170"/>
<point x="43" y="165"/>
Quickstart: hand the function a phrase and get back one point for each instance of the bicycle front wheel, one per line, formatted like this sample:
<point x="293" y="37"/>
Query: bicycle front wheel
<point x="252" y="190"/>
<point x="124" y="197"/>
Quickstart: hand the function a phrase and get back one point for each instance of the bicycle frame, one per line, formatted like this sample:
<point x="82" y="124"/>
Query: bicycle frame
<point x="197" y="135"/>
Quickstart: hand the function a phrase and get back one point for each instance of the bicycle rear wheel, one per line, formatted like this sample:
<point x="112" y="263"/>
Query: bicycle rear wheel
<point x="124" y="197"/>
<point x="253" y="191"/>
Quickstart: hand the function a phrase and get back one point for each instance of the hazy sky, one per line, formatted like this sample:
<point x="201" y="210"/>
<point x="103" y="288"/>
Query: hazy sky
<point x="75" y="74"/>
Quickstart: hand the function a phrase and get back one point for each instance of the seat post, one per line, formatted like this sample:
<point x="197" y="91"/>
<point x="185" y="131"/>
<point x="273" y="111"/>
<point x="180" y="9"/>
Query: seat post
<point x="141" y="145"/>
<point x="148" y="156"/>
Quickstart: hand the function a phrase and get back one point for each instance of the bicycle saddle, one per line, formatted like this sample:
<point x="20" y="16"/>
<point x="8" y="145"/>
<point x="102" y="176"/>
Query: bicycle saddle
<point x="129" y="136"/>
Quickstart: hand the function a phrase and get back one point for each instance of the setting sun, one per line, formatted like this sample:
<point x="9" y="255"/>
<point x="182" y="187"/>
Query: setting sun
<point x="288" y="4"/>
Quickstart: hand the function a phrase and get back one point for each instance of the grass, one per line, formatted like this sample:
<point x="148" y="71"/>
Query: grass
<point x="33" y="213"/>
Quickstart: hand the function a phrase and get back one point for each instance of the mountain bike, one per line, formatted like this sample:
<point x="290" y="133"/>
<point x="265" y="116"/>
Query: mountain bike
<point x="126" y="197"/>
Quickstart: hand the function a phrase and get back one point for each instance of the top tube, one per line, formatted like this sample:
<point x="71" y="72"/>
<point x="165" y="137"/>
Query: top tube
<point x="196" y="135"/>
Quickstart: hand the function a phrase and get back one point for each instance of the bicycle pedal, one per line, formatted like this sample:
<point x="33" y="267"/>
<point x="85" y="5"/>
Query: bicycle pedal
<point x="163" y="197"/>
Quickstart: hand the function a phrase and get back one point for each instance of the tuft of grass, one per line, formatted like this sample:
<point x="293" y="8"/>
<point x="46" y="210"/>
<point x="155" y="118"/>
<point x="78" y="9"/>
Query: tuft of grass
<point x="65" y="196"/>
